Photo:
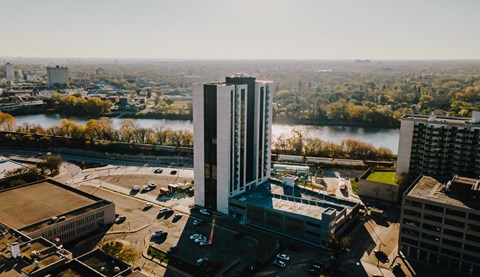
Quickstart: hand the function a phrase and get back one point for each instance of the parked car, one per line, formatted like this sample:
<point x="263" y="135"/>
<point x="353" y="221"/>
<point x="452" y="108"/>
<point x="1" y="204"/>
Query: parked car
<point x="177" y="217"/>
<point x="159" y="234"/>
<point x="158" y="171"/>
<point x="195" y="236"/>
<point x="283" y="257"/>
<point x="204" y="243"/>
<point x="173" y="172"/>
<point x="200" y="239"/>
<point x="164" y="210"/>
<point x="280" y="263"/>
<point x="381" y="256"/>
<point x="148" y="205"/>
<point x="204" y="211"/>
<point x="120" y="219"/>
<point x="202" y="261"/>
<point x="152" y="185"/>
<point x="198" y="222"/>
<point x="136" y="188"/>
<point x="146" y="188"/>
<point x="172" y="249"/>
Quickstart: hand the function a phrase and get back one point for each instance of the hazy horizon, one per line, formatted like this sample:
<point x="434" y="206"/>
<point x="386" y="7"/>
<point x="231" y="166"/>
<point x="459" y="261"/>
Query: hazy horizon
<point x="251" y="30"/>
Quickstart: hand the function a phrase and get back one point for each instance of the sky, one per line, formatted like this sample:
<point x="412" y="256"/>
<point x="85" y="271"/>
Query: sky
<point x="241" y="29"/>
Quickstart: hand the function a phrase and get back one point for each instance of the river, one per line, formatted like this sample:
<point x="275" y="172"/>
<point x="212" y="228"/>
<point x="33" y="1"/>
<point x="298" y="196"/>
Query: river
<point x="379" y="137"/>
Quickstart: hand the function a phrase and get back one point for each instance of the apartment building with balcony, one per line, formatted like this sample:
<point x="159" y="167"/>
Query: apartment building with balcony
<point x="440" y="223"/>
<point x="439" y="146"/>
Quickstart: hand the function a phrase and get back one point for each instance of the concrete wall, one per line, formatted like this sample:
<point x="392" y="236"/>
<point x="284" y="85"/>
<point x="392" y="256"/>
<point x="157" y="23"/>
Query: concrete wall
<point x="376" y="190"/>
<point x="405" y="146"/>
<point x="77" y="226"/>
<point x="199" y="148"/>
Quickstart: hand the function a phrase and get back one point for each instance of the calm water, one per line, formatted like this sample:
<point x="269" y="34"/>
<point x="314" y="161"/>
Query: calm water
<point x="376" y="136"/>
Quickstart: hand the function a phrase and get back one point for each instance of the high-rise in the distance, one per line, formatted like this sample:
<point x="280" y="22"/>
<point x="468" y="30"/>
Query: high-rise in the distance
<point x="57" y="76"/>
<point x="9" y="72"/>
<point x="232" y="134"/>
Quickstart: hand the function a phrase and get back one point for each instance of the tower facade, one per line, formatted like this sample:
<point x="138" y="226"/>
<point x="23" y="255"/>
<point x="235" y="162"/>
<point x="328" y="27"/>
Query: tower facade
<point x="232" y="138"/>
<point x="57" y="76"/>
<point x="439" y="146"/>
<point x="9" y="71"/>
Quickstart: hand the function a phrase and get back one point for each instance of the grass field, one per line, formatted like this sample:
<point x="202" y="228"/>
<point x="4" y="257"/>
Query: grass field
<point x="386" y="177"/>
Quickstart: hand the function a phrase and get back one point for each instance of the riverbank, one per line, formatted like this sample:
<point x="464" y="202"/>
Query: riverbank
<point x="375" y="135"/>
<point x="346" y="123"/>
<point x="276" y="119"/>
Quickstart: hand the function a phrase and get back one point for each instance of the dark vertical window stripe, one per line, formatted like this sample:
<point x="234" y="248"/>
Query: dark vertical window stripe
<point x="210" y="136"/>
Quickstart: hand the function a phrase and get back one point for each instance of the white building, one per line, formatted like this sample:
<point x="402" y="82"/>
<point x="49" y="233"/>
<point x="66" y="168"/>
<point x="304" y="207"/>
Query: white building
<point x="10" y="71"/>
<point x="57" y="76"/>
<point x="232" y="134"/>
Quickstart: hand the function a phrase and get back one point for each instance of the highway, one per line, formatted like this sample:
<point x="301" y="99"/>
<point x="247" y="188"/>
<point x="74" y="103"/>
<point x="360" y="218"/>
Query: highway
<point x="106" y="158"/>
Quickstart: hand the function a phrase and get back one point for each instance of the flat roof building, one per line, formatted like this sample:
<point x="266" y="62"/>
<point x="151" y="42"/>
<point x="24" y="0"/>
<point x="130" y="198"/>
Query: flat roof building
<point x="57" y="76"/>
<point x="7" y="165"/>
<point x="232" y="134"/>
<point x="26" y="257"/>
<point x="440" y="222"/>
<point x="52" y="210"/>
<point x="300" y="213"/>
<point x="438" y="145"/>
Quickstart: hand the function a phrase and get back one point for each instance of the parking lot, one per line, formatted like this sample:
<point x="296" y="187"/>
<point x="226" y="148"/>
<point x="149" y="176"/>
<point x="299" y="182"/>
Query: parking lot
<point x="234" y="247"/>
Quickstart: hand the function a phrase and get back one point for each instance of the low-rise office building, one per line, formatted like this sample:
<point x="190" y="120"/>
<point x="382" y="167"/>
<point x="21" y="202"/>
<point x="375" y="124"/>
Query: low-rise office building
<point x="22" y="256"/>
<point x="53" y="210"/>
<point x="299" y="213"/>
<point x="440" y="223"/>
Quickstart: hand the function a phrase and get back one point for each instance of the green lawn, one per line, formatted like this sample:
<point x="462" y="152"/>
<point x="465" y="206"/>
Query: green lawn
<point x="386" y="177"/>
<point x="154" y="252"/>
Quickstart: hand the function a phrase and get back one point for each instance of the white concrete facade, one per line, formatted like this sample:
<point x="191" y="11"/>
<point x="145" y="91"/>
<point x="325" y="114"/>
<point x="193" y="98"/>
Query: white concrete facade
<point x="198" y="149"/>
<point x="230" y="141"/>
<point x="405" y="147"/>
<point x="57" y="75"/>
<point x="10" y="72"/>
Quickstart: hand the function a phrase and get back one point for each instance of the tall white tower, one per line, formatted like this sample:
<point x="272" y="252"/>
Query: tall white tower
<point x="10" y="72"/>
<point x="232" y="136"/>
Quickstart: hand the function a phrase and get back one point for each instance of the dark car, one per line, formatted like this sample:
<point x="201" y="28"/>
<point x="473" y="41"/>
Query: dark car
<point x="177" y="217"/>
<point x="172" y="249"/>
<point x="381" y="256"/>
<point x="158" y="171"/>
<point x="173" y="172"/>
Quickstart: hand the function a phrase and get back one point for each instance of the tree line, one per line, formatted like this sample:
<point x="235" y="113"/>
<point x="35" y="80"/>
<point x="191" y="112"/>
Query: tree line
<point x="103" y="129"/>
<point x="378" y="102"/>
<point x="298" y="142"/>
<point x="77" y="105"/>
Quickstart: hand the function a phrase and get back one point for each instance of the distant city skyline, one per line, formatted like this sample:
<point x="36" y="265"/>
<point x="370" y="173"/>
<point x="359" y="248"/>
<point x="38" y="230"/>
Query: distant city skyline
<point x="268" y="29"/>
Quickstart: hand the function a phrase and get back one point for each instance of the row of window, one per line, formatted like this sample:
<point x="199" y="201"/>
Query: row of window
<point x="438" y="209"/>
<point x="436" y="239"/>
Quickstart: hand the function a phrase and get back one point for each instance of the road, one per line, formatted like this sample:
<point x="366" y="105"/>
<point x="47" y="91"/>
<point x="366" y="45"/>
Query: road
<point x="108" y="158"/>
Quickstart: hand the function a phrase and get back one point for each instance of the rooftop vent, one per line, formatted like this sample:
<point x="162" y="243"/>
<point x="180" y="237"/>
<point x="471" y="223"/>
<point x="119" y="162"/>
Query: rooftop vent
<point x="15" y="249"/>
<point x="447" y="186"/>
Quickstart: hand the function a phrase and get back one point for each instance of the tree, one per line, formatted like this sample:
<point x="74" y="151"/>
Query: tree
<point x="52" y="163"/>
<point x="7" y="121"/>
<point x="338" y="245"/>
<point x="119" y="250"/>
